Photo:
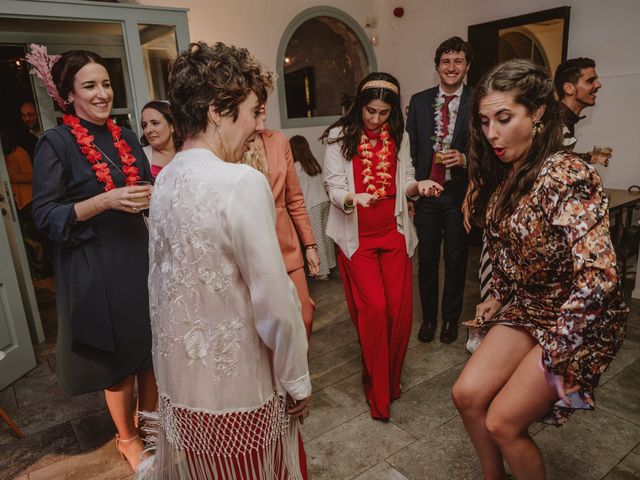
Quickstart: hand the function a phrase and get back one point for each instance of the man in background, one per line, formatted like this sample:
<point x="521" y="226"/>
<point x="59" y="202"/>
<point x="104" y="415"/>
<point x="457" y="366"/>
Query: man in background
<point x="577" y="85"/>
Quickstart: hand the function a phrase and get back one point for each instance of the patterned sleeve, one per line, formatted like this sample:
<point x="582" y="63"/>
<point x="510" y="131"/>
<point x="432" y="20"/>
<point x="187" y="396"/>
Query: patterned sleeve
<point x="574" y="202"/>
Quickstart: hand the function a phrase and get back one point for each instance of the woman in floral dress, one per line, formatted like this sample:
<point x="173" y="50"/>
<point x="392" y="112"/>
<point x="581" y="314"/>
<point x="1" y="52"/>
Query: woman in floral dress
<point x="546" y="222"/>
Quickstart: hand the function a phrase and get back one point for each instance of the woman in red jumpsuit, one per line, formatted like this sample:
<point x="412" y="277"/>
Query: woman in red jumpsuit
<point x="369" y="175"/>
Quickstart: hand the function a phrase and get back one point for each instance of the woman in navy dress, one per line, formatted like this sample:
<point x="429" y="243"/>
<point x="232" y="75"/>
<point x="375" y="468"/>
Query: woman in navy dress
<point x="86" y="200"/>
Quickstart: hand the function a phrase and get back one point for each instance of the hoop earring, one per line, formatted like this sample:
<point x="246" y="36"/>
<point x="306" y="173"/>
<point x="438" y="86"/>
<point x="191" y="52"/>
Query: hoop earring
<point x="537" y="127"/>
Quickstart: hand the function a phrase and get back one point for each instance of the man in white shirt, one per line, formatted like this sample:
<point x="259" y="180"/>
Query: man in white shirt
<point x="437" y="128"/>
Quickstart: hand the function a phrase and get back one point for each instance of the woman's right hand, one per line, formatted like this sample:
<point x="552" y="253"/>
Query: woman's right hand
<point x="362" y="199"/>
<point x="429" y="188"/>
<point x="487" y="309"/>
<point x="300" y="409"/>
<point x="124" y="198"/>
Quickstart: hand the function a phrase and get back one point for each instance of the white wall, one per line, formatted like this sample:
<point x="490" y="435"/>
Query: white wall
<point x="608" y="32"/>
<point x="258" y="25"/>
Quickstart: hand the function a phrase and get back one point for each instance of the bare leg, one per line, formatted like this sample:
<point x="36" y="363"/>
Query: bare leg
<point x="147" y="391"/>
<point x="486" y="372"/>
<point x="524" y="399"/>
<point x="119" y="400"/>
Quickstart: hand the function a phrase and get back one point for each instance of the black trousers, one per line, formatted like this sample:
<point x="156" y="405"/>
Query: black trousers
<point x="438" y="221"/>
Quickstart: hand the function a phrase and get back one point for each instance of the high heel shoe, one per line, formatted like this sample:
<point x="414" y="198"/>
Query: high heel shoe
<point x="131" y="455"/>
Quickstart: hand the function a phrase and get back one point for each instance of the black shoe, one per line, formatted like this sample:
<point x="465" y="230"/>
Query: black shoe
<point x="449" y="332"/>
<point x="426" y="333"/>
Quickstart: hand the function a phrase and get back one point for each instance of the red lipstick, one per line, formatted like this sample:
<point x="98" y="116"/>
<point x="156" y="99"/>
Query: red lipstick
<point x="499" y="151"/>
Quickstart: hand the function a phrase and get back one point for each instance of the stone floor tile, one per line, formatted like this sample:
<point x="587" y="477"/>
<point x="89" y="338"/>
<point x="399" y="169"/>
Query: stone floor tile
<point x="382" y="471"/>
<point x="56" y="410"/>
<point x="588" y="446"/>
<point x="627" y="469"/>
<point x="332" y="337"/>
<point x="94" y="430"/>
<point x="353" y="447"/>
<point x="334" y="406"/>
<point x="628" y="353"/>
<point x="427" y="405"/>
<point x="428" y="360"/>
<point x="330" y="314"/>
<point x="444" y="454"/>
<point x="335" y="366"/>
<point x="621" y="395"/>
<point x="38" y="451"/>
<point x="103" y="463"/>
<point x="30" y="390"/>
<point x="8" y="399"/>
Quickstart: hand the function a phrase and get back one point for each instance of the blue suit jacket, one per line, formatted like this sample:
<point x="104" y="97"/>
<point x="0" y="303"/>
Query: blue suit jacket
<point x="421" y="127"/>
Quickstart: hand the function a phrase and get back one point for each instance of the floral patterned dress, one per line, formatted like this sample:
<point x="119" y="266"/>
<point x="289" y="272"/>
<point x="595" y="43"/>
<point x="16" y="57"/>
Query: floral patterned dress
<point x="556" y="249"/>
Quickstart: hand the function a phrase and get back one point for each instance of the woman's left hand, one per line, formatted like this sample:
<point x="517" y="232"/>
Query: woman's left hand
<point x="313" y="260"/>
<point x="558" y="384"/>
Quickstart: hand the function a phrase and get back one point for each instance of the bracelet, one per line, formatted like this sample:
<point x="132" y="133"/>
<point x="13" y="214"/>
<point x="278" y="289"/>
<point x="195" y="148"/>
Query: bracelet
<point x="313" y="246"/>
<point x="346" y="205"/>
<point x="96" y="207"/>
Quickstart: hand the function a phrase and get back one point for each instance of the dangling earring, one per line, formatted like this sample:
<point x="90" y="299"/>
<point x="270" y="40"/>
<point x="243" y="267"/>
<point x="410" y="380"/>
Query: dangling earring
<point x="538" y="126"/>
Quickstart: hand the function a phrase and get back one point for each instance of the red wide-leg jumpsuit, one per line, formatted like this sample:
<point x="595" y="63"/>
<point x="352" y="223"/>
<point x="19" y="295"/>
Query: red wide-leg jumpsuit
<point x="378" y="288"/>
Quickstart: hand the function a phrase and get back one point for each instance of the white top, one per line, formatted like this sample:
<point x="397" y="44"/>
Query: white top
<point x="342" y="226"/>
<point x="312" y="187"/>
<point x="226" y="321"/>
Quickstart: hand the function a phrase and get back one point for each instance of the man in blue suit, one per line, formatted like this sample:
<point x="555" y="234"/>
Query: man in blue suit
<point x="438" y="129"/>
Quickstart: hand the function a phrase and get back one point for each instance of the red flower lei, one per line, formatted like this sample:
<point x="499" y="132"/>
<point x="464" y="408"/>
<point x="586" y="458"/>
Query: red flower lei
<point x="89" y="150"/>
<point x="382" y="174"/>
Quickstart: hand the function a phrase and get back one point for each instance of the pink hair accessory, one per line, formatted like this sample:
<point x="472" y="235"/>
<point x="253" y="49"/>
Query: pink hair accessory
<point x="42" y="62"/>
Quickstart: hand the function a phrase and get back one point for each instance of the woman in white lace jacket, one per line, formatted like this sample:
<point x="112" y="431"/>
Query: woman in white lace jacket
<point x="229" y="345"/>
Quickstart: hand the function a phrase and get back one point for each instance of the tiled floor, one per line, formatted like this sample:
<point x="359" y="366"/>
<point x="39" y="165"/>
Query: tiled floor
<point x="71" y="437"/>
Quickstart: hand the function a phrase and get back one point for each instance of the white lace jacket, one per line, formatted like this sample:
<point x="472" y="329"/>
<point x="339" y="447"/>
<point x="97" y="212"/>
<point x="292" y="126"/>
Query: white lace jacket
<point x="227" y="329"/>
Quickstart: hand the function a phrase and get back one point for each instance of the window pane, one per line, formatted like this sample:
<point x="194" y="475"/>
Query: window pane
<point x="324" y="61"/>
<point x="159" y="49"/>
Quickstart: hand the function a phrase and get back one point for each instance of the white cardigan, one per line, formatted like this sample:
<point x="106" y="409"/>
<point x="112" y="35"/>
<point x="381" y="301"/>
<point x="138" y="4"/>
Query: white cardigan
<point x="338" y="176"/>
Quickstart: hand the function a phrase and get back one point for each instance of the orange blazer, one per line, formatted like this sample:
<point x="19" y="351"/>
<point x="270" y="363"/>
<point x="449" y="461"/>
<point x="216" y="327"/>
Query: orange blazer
<point x="291" y="212"/>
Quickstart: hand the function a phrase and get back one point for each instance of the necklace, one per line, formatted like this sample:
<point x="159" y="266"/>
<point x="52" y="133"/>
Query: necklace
<point x="376" y="183"/>
<point x="95" y="155"/>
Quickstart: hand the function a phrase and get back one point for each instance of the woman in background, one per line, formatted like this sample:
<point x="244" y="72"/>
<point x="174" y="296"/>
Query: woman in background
<point x="85" y="199"/>
<point x="316" y="200"/>
<point x="369" y="175"/>
<point x="158" y="135"/>
<point x="270" y="154"/>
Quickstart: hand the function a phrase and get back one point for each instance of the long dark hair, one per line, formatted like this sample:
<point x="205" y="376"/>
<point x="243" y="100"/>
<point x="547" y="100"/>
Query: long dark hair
<point x="164" y="108"/>
<point x="351" y="121"/>
<point x="532" y="88"/>
<point x="302" y="153"/>
<point x="64" y="71"/>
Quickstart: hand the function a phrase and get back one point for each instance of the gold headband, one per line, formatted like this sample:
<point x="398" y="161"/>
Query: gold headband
<point x="380" y="84"/>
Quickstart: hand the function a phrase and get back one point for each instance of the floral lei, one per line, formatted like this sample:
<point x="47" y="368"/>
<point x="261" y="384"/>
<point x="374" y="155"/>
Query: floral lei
<point x="438" y="137"/>
<point x="365" y="154"/>
<point x="89" y="150"/>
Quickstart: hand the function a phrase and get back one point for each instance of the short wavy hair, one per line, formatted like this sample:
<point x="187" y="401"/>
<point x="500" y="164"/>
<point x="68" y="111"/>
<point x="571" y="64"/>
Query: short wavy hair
<point x="217" y="75"/>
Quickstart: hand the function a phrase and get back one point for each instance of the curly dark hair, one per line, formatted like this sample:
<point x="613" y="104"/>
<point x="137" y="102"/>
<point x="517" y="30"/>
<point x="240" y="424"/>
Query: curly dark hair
<point x="351" y="122"/>
<point x="454" y="44"/>
<point x="569" y="71"/>
<point x="302" y="153"/>
<point x="217" y="75"/>
<point x="164" y="108"/>
<point x="64" y="71"/>
<point x="532" y="88"/>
